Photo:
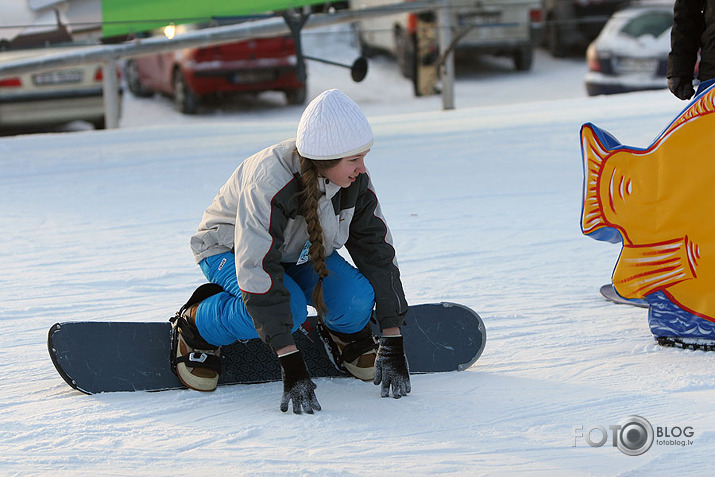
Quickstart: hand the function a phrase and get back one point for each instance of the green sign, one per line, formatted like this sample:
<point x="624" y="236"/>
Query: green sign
<point x="121" y="17"/>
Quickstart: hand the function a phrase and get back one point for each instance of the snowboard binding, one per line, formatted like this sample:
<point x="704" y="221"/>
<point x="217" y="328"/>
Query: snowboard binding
<point x="346" y="350"/>
<point x="194" y="361"/>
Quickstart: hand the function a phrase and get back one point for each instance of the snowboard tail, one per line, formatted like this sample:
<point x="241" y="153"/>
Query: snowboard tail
<point x="95" y="357"/>
<point x="610" y="294"/>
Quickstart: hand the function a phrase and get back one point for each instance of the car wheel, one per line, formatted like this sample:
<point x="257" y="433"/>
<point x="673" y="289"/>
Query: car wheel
<point x="296" y="96"/>
<point x="524" y="58"/>
<point x="185" y="99"/>
<point x="131" y="73"/>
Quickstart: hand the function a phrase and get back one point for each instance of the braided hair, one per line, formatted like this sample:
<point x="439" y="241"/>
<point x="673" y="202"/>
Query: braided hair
<point x="310" y="195"/>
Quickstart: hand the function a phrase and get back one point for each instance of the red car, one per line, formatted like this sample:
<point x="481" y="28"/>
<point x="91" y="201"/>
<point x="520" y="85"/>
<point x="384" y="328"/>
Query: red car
<point x="267" y="64"/>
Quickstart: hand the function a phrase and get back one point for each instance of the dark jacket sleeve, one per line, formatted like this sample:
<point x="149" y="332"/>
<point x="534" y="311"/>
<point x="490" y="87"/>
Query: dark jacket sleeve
<point x="372" y="251"/>
<point x="685" y="37"/>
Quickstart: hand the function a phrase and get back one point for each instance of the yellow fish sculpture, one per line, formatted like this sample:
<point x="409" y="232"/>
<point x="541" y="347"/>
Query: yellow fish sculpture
<point x="657" y="201"/>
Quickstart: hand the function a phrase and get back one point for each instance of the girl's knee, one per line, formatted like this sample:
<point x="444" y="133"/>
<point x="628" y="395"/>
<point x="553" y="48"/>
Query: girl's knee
<point x="352" y="317"/>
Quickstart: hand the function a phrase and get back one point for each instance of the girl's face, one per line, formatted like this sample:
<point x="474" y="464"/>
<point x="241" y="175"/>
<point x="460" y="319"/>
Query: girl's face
<point x="346" y="171"/>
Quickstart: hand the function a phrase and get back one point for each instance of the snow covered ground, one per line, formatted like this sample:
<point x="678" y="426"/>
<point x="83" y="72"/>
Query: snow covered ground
<point x="484" y="204"/>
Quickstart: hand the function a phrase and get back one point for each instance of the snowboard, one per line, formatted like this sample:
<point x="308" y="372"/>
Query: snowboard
<point x="426" y="74"/>
<point x="610" y="293"/>
<point x="105" y="356"/>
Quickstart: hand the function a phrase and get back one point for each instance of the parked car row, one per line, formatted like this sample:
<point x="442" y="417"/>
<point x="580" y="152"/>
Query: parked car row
<point x="627" y="42"/>
<point x="629" y="54"/>
<point x="190" y="75"/>
<point x="499" y="27"/>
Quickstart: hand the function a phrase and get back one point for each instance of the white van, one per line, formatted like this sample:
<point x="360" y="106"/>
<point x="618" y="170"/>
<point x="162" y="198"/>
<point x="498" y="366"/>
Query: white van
<point x="499" y="27"/>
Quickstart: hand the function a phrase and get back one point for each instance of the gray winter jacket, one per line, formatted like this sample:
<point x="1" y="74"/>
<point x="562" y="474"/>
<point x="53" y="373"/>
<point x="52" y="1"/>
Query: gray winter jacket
<point x="257" y="215"/>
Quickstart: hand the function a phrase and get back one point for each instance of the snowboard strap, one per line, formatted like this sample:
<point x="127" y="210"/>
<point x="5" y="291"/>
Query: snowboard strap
<point x="357" y="343"/>
<point x="357" y="348"/>
<point x="200" y="359"/>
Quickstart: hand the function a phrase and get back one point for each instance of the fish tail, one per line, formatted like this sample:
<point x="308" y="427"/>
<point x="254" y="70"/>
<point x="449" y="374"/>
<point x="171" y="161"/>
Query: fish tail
<point x="594" y="154"/>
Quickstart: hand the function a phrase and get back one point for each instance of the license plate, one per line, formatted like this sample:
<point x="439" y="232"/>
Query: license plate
<point x="57" y="77"/>
<point x="636" y="65"/>
<point x="248" y="77"/>
<point x="484" y="17"/>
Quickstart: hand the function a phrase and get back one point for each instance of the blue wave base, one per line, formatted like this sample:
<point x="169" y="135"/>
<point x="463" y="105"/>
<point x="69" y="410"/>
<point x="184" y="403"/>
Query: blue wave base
<point x="667" y="319"/>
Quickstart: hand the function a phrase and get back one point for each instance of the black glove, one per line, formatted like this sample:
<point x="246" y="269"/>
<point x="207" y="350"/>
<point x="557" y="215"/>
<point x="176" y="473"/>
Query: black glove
<point x="391" y="367"/>
<point x="297" y="385"/>
<point x="681" y="87"/>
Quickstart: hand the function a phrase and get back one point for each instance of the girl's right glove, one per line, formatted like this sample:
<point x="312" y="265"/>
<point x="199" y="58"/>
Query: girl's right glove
<point x="391" y="367"/>
<point x="297" y="385"/>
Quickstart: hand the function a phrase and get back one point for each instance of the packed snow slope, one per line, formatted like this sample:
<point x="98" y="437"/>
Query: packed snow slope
<point x="484" y="205"/>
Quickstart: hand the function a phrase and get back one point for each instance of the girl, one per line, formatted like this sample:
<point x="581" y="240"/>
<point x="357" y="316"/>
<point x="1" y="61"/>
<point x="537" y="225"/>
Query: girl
<point x="269" y="242"/>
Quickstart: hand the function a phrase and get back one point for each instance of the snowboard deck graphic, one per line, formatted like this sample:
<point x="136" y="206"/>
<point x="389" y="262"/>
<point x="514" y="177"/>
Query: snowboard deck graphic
<point x="96" y="357"/>
<point x="610" y="294"/>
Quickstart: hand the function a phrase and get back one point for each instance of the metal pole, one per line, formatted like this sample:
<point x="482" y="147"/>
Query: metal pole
<point x="445" y="27"/>
<point x="110" y="87"/>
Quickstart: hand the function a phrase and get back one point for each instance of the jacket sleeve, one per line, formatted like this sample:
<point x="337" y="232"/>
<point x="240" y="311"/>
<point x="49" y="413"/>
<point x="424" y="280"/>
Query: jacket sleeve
<point x="370" y="246"/>
<point x="685" y="37"/>
<point x="261" y="219"/>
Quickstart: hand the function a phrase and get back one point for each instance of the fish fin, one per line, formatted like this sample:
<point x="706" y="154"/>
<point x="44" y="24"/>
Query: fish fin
<point x="594" y="153"/>
<point x="645" y="269"/>
<point x="701" y="105"/>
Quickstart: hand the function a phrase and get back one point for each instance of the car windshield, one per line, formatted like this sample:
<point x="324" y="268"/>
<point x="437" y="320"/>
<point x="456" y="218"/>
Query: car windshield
<point x="651" y="23"/>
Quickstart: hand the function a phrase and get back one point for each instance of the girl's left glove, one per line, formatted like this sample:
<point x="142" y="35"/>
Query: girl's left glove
<point x="391" y="367"/>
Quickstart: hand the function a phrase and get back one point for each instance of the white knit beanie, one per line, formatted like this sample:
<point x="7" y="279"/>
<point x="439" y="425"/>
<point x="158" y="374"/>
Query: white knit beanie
<point x="332" y="127"/>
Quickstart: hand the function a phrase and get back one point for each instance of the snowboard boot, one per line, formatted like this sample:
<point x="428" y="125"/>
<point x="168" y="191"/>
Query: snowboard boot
<point x="357" y="352"/>
<point x="196" y="362"/>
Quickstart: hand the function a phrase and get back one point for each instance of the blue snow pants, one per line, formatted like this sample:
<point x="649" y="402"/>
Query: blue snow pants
<point x="223" y="319"/>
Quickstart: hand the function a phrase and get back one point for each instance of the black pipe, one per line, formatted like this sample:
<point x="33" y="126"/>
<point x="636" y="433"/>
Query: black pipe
<point x="358" y="70"/>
